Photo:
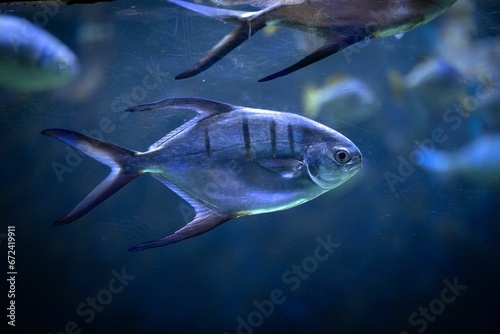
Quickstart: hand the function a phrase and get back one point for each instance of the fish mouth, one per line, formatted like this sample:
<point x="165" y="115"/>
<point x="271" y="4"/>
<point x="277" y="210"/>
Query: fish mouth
<point x="353" y="167"/>
<point x="354" y="164"/>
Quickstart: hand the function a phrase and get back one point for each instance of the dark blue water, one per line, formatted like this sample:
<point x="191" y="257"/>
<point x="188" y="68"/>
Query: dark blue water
<point x="396" y="249"/>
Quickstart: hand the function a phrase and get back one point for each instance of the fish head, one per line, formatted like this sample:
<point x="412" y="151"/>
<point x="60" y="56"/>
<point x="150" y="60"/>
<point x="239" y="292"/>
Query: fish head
<point x="331" y="163"/>
<point x="32" y="59"/>
<point x="59" y="65"/>
<point x="39" y="67"/>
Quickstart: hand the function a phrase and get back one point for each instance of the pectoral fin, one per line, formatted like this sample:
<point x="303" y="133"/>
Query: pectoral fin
<point x="204" y="220"/>
<point x="287" y="168"/>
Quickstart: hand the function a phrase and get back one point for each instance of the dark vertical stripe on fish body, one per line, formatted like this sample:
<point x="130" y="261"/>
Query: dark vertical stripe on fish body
<point x="208" y="148"/>
<point x="246" y="138"/>
<point x="290" y="139"/>
<point x="272" y="132"/>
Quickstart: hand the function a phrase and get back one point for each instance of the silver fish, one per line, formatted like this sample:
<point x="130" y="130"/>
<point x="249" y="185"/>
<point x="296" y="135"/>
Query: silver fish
<point x="226" y="162"/>
<point x="31" y="59"/>
<point x="341" y="23"/>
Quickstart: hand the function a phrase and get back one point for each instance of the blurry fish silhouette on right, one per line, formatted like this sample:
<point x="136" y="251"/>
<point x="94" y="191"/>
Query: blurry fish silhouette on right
<point x="474" y="54"/>
<point x="479" y="160"/>
<point x="341" y="100"/>
<point x="432" y="84"/>
<point x="341" y="23"/>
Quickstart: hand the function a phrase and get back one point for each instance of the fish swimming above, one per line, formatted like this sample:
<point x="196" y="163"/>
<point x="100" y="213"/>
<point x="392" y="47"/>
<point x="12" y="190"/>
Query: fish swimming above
<point x="226" y="162"/>
<point x="31" y="59"/>
<point x="341" y="23"/>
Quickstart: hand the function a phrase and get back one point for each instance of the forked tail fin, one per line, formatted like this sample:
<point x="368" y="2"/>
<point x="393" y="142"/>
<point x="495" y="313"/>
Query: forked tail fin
<point x="120" y="160"/>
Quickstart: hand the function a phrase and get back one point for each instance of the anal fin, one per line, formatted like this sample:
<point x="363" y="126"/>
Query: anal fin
<point x="205" y="220"/>
<point x="221" y="49"/>
<point x="248" y="24"/>
<point x="332" y="46"/>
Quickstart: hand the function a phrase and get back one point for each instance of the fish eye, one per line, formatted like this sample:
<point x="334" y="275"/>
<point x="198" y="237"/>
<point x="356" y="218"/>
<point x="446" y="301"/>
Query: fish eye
<point x="62" y="64"/>
<point x="342" y="156"/>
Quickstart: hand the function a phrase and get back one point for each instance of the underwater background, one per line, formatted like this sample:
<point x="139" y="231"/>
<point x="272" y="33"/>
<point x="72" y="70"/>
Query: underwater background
<point x="413" y="251"/>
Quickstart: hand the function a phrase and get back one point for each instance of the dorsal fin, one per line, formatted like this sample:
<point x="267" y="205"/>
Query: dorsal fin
<point x="203" y="107"/>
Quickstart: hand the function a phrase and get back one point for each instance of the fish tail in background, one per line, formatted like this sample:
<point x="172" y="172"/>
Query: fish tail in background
<point x="247" y="27"/>
<point x="121" y="161"/>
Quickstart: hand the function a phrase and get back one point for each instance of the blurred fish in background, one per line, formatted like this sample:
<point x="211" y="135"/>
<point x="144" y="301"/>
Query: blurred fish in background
<point x="456" y="83"/>
<point x="433" y="85"/>
<point x="31" y="59"/>
<point x="478" y="160"/>
<point x="461" y="45"/>
<point x="342" y="100"/>
<point x="489" y="109"/>
<point x="476" y="57"/>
